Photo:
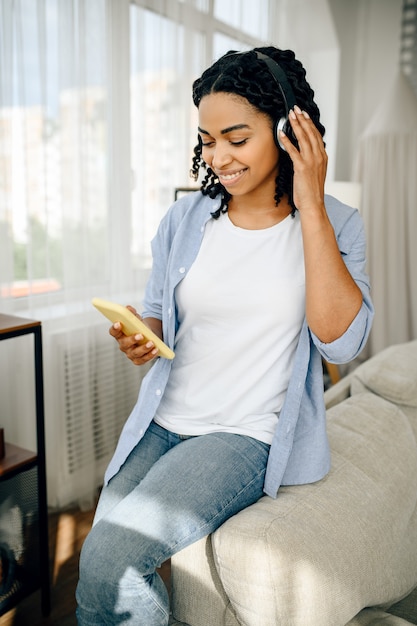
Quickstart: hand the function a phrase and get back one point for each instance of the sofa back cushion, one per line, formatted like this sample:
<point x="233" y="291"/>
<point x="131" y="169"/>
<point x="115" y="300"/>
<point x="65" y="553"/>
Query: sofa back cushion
<point x="391" y="374"/>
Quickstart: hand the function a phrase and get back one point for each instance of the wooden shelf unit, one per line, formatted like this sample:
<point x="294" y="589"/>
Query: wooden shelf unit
<point x="23" y="481"/>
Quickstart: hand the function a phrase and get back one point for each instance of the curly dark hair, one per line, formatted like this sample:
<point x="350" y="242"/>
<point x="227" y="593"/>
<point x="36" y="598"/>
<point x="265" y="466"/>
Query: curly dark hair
<point x="248" y="76"/>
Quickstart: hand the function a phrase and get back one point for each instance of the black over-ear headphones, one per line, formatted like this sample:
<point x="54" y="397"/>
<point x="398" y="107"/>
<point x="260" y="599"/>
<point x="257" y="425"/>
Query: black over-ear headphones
<point x="287" y="93"/>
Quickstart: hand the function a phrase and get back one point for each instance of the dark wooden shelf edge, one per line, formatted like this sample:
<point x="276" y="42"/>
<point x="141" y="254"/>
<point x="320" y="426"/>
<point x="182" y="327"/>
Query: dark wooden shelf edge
<point x="18" y="460"/>
<point x="15" y="458"/>
<point x="13" y="323"/>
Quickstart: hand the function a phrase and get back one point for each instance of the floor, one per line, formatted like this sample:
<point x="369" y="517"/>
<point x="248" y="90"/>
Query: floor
<point x="66" y="535"/>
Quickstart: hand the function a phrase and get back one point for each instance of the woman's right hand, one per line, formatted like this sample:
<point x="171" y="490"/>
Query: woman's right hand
<point x="133" y="347"/>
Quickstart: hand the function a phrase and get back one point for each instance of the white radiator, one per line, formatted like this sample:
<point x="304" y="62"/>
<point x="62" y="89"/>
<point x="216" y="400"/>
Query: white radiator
<point x="90" y="389"/>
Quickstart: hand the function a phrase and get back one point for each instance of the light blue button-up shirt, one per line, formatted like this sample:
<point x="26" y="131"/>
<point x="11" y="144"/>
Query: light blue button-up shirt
<point x="299" y="452"/>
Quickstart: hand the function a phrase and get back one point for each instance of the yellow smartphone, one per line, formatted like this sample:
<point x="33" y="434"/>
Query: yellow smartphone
<point x="131" y="325"/>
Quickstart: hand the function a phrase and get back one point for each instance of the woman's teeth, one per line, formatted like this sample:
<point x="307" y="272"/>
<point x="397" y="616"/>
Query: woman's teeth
<point x="231" y="176"/>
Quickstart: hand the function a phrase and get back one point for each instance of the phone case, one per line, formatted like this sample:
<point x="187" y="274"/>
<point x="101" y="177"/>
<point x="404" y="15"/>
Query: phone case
<point x="131" y="325"/>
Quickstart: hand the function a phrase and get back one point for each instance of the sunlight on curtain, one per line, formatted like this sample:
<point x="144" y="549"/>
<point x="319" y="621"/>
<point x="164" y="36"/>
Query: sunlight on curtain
<point x="223" y="43"/>
<point x="54" y="142"/>
<point x="165" y="58"/>
<point x="245" y="15"/>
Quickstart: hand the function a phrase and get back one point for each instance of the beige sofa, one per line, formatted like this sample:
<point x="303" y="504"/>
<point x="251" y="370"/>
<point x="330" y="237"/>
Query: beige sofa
<point x="320" y="554"/>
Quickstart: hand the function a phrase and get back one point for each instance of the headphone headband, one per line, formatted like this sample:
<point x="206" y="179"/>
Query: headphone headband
<point x="287" y="93"/>
<point x="281" y="80"/>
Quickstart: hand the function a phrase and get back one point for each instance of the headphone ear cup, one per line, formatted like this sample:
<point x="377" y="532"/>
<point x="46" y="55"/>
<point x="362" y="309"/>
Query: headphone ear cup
<point x="284" y="125"/>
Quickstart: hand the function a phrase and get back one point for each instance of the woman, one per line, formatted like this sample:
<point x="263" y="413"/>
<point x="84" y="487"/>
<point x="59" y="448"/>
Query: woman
<point x="255" y="278"/>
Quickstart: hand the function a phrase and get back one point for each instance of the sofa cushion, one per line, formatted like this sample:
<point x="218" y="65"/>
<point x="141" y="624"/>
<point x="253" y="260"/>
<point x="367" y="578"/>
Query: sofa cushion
<point x="320" y="553"/>
<point x="391" y="374"/>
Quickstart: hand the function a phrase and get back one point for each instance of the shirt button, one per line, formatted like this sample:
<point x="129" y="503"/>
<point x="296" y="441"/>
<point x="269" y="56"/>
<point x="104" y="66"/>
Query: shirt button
<point x="158" y="392"/>
<point x="182" y="270"/>
<point x="169" y="312"/>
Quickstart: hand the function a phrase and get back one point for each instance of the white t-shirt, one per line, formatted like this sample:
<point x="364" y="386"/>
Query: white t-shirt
<point x="240" y="308"/>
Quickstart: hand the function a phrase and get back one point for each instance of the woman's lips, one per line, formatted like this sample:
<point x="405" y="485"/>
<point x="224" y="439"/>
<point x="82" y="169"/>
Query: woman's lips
<point x="230" y="179"/>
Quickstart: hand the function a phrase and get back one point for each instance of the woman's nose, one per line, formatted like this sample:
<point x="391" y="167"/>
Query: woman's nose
<point x="221" y="156"/>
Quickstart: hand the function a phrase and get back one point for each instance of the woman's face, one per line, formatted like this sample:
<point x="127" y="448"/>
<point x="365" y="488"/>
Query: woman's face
<point x="238" y="144"/>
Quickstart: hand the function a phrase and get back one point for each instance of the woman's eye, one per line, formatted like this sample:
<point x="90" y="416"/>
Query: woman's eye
<point x="209" y="144"/>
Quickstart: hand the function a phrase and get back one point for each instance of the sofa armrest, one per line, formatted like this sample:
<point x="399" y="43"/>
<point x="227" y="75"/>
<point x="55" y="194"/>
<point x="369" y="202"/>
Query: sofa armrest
<point x="319" y="553"/>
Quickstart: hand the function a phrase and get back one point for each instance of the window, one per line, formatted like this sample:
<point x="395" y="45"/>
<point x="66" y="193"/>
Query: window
<point x="165" y="57"/>
<point x="54" y="143"/>
<point x="245" y="16"/>
<point x="78" y="129"/>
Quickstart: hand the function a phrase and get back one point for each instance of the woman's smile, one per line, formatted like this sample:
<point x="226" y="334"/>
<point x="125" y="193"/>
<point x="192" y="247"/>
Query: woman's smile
<point x="229" y="179"/>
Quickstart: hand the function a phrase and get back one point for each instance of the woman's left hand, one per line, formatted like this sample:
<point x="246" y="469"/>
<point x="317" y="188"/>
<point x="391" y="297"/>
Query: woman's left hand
<point x="309" y="161"/>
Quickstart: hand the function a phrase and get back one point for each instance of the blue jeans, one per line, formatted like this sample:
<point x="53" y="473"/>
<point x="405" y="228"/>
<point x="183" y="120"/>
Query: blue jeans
<point x="171" y="491"/>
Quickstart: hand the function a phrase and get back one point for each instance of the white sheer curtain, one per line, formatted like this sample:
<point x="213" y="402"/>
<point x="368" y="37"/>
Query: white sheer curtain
<point x="65" y="223"/>
<point x="386" y="169"/>
<point x="54" y="111"/>
<point x="165" y="57"/>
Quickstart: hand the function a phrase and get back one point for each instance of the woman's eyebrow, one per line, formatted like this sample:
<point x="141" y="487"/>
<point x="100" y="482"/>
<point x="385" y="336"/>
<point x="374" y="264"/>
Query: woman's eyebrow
<point x="225" y="130"/>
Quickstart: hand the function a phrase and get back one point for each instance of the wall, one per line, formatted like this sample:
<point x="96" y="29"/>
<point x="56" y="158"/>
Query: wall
<point x="307" y="27"/>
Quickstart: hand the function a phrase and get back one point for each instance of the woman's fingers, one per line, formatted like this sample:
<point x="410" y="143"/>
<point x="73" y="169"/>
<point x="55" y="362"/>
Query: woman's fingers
<point x="133" y="346"/>
<point x="310" y="141"/>
<point x="309" y="160"/>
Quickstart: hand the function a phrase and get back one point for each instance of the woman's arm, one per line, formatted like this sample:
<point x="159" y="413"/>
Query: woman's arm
<point x="333" y="299"/>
